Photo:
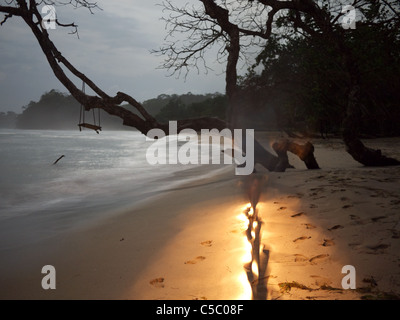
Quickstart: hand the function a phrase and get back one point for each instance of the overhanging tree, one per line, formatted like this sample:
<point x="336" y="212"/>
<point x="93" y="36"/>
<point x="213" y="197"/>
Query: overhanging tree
<point x="28" y="10"/>
<point x="217" y="15"/>
<point x="240" y="24"/>
<point x="320" y="22"/>
<point x="302" y="78"/>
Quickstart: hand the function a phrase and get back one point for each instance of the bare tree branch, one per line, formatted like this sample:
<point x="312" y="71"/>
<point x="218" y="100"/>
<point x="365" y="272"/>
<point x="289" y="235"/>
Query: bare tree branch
<point x="111" y="105"/>
<point x="227" y="24"/>
<point x="6" y="17"/>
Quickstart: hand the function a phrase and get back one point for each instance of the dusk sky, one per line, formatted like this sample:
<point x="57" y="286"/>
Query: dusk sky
<point x="113" y="50"/>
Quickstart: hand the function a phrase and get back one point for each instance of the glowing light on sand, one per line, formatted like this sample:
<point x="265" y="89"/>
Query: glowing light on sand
<point x="245" y="222"/>
<point x="251" y="212"/>
<point x="246" y="294"/>
<point x="247" y="257"/>
<point x="254" y="268"/>
<point x="242" y="217"/>
<point x="252" y="250"/>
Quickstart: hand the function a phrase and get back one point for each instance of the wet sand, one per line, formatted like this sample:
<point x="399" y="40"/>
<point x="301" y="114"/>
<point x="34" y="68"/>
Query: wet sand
<point x="189" y="243"/>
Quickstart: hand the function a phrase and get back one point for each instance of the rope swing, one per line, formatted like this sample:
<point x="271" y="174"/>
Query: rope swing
<point x="82" y="123"/>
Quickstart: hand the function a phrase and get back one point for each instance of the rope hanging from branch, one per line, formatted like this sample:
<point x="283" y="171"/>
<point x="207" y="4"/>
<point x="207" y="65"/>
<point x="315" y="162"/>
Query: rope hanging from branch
<point x="82" y="123"/>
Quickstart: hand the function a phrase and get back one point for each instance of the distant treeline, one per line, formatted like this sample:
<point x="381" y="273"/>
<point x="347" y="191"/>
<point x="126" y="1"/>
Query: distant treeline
<point x="59" y="111"/>
<point x="189" y="106"/>
<point x="8" y="120"/>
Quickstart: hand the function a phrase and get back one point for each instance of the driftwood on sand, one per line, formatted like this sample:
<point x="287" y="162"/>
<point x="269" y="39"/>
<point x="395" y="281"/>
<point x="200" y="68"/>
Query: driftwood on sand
<point x="55" y="162"/>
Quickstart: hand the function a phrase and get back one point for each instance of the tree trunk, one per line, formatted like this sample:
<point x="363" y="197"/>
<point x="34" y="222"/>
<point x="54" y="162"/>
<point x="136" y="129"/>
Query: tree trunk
<point x="236" y="103"/>
<point x="354" y="146"/>
<point x="145" y="121"/>
<point x="351" y="123"/>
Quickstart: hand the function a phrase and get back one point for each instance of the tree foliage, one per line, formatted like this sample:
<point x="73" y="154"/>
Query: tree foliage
<point x="180" y="107"/>
<point x="60" y="111"/>
<point x="303" y="77"/>
<point x="8" y="120"/>
<point x="236" y="26"/>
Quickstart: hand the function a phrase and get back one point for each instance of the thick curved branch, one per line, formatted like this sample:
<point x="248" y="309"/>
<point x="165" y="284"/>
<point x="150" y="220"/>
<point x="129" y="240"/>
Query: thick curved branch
<point x="6" y="17"/>
<point x="9" y="12"/>
<point x="112" y="106"/>
<point x="221" y="15"/>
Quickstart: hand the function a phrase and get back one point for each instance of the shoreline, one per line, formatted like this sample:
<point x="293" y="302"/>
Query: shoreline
<point x="100" y="255"/>
<point x="188" y="242"/>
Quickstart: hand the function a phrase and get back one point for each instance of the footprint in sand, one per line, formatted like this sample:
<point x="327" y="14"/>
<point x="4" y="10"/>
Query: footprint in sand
<point x="395" y="233"/>
<point x="328" y="243"/>
<point x="376" y="219"/>
<point x="309" y="226"/>
<point x="195" y="260"/>
<point x="207" y="243"/>
<point x="377" y="249"/>
<point x="300" y="258"/>
<point x="338" y="226"/>
<point x="371" y="281"/>
<point x="355" y="245"/>
<point x="301" y="238"/>
<point x="318" y="258"/>
<point x="157" y="282"/>
<point x="297" y="215"/>
<point x="356" y="220"/>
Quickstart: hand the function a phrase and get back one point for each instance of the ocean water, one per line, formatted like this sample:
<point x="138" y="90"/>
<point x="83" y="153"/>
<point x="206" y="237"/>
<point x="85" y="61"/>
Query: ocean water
<point x="99" y="174"/>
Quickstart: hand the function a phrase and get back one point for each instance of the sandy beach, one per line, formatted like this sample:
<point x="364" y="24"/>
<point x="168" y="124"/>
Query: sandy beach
<point x="189" y="243"/>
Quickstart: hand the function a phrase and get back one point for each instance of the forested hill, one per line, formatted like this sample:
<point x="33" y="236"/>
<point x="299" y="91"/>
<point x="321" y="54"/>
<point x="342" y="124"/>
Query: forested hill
<point x="59" y="111"/>
<point x="8" y="120"/>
